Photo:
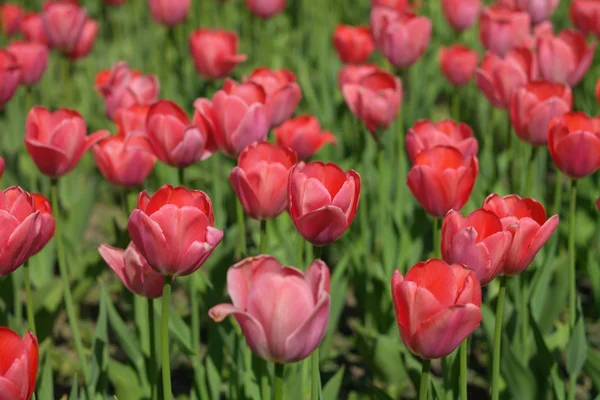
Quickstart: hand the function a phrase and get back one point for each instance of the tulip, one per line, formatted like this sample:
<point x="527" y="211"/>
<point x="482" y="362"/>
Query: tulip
<point x="282" y="311"/>
<point x="538" y="10"/>
<point x="539" y="31"/>
<point x="425" y="135"/>
<point x="323" y="200"/>
<point x="526" y="221"/>
<point x="354" y="73"/>
<point x="461" y="14"/>
<point x="498" y="78"/>
<point x="380" y="18"/>
<point x="57" y="141"/>
<point x="565" y="58"/>
<point x="133" y="270"/>
<point x="176" y="219"/>
<point x="458" y="63"/>
<point x="169" y="12"/>
<point x="585" y="15"/>
<point x="33" y="59"/>
<point x="20" y="358"/>
<point x="375" y="99"/>
<point x="574" y="144"/>
<point x="442" y="179"/>
<point x="260" y="179"/>
<point x="237" y="116"/>
<point x="501" y="29"/>
<point x="534" y="105"/>
<point x="32" y="27"/>
<point x="48" y="224"/>
<point x="214" y="52"/>
<point x="10" y="18"/>
<point x="266" y="8"/>
<point x="303" y="134"/>
<point x="68" y="28"/>
<point x="2" y="167"/>
<point x="354" y="44"/>
<point x="132" y="119"/>
<point x="437" y="306"/>
<point x="10" y="76"/>
<point x="405" y="38"/>
<point x="398" y="5"/>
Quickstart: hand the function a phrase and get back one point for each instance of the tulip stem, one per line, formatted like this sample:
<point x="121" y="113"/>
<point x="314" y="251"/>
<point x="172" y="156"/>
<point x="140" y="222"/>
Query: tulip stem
<point x="424" y="379"/>
<point x="242" y="229"/>
<point x="318" y="252"/>
<point x="263" y="237"/>
<point x="300" y="252"/>
<point x="29" y="299"/>
<point x="154" y="362"/>
<point x="463" y="369"/>
<point x="436" y="238"/>
<point x="17" y="280"/>
<point x="278" y="382"/>
<point x="572" y="280"/>
<point x="316" y="376"/>
<point x="181" y="175"/>
<point x="166" y="365"/>
<point x="498" y="340"/>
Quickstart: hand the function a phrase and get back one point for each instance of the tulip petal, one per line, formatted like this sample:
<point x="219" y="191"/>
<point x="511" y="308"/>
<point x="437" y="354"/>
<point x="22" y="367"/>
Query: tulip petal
<point x="310" y="334"/>
<point x="150" y="240"/>
<point x="241" y="277"/>
<point x="322" y="226"/>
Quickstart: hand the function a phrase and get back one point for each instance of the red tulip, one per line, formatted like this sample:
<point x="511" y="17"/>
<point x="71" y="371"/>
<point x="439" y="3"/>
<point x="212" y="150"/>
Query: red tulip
<point x="48" y="224"/>
<point x="461" y="14"/>
<point x="323" y="200"/>
<point x="501" y="29"/>
<point x="214" y="52"/>
<point x="375" y="99"/>
<point x="425" y="135"/>
<point x="437" y="306"/>
<point x="534" y="105"/>
<point x="133" y="270"/>
<point x="574" y="144"/>
<point x="237" y="116"/>
<point x="32" y="27"/>
<point x="33" y="59"/>
<point x="498" y="78"/>
<point x="282" y="311"/>
<point x="303" y="134"/>
<point x="538" y="10"/>
<point x="539" y="31"/>
<point x="266" y="8"/>
<point x="526" y="220"/>
<point x="2" y="166"/>
<point x="283" y="93"/>
<point x="565" y="58"/>
<point x="132" y="119"/>
<point x="398" y="5"/>
<point x="10" y="18"/>
<point x="354" y="73"/>
<point x="68" y="28"/>
<point x="458" y="63"/>
<point x="585" y="15"/>
<point x="169" y="12"/>
<point x="442" y="179"/>
<point x="86" y="40"/>
<point x="354" y="44"/>
<point x="10" y="76"/>
<point x="19" y="362"/>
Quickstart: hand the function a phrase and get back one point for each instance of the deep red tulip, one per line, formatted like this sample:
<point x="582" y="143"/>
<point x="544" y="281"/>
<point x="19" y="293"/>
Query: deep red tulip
<point x="214" y="52"/>
<point x="585" y="15"/>
<point x="458" y="63"/>
<point x="237" y="116"/>
<point x="425" y="135"/>
<point x="282" y="311"/>
<point x="501" y="29"/>
<point x="354" y="73"/>
<point x="133" y="270"/>
<point x="437" y="306"/>
<point x="10" y="18"/>
<point x="498" y="78"/>
<point x="442" y="179"/>
<point x="375" y="99"/>
<point x="169" y="12"/>
<point x="303" y="134"/>
<point x="354" y="44"/>
<point x="2" y="167"/>
<point x="266" y="8"/>
<point x="32" y="28"/>
<point x="574" y="144"/>
<point x="323" y="200"/>
<point x="461" y="14"/>
<point x="69" y="29"/>
<point x="10" y="76"/>
<point x="526" y="220"/>
<point x="33" y="59"/>
<point x="18" y="364"/>
<point x="534" y="105"/>
<point x="48" y="224"/>
<point x="57" y="141"/>
<point x="176" y="219"/>
<point x="260" y="179"/>
<point x="538" y="10"/>
<point x="565" y="58"/>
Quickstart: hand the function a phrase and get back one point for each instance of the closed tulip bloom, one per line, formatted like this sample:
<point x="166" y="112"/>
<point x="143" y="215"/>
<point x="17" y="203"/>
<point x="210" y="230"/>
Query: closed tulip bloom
<point x="69" y="29"/>
<point x="260" y="179"/>
<point x="33" y="59"/>
<point x="10" y="18"/>
<point x="565" y="58"/>
<point x="18" y="364"/>
<point x="501" y="29"/>
<point x="169" y="12"/>
<point x="32" y="28"/>
<point x="498" y="77"/>
<point x="174" y="230"/>
<point x="57" y="141"/>
<point x="526" y="220"/>
<point x="283" y="93"/>
<point x="266" y="8"/>
<point x="214" y="52"/>
<point x="10" y="76"/>
<point x="405" y="38"/>
<point x="461" y="14"/>
<point x="133" y="270"/>
<point x="538" y="10"/>
<point x="132" y="119"/>
<point x="237" y="116"/>
<point x="375" y="99"/>
<point x="48" y="224"/>
<point x="323" y="200"/>
<point x="380" y="18"/>
<point x="442" y="179"/>
<point x="425" y="135"/>
<point x="458" y="63"/>
<point x="282" y="311"/>
<point x="585" y="15"/>
<point x="86" y="40"/>
<point x="437" y="306"/>
<point x="354" y="73"/>
<point x="354" y="44"/>
<point x="574" y="144"/>
<point x="303" y="134"/>
<point x="534" y="105"/>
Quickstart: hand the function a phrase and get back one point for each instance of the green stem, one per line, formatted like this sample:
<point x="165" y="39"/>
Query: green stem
<point x="152" y="378"/>
<point x="446" y="376"/>
<point x="265" y="389"/>
<point x="382" y="188"/>
<point x="498" y="340"/>
<point x="29" y="299"/>
<point x="241" y="228"/>
<point x="200" y="384"/>
<point x="181" y="176"/>
<point x="557" y="203"/>
<point x="263" y="237"/>
<point x="572" y="280"/>
<point x="456" y="105"/>
<point x="318" y="252"/>
<point x="300" y="252"/>
<point x="278" y="382"/>
<point x="316" y="375"/>
<point x="166" y="365"/>
<point x="524" y="316"/>
<point x="424" y="379"/>
<point x="437" y="246"/>
<point x="17" y="303"/>
<point x="463" y="369"/>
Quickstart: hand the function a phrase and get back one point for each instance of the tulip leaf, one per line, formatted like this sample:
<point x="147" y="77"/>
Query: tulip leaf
<point x="74" y="394"/>
<point x="100" y="358"/>
<point x="592" y="366"/>
<point x="331" y="389"/>
<point x="125" y="380"/>
<point x="577" y="348"/>
<point x="213" y="377"/>
<point x="45" y="389"/>
<point x="519" y="379"/>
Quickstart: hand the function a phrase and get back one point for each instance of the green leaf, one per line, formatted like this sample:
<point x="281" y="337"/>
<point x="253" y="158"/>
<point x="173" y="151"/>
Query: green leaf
<point x="74" y="394"/>
<point x="592" y="367"/>
<point x="577" y="348"/>
<point x="46" y="387"/>
<point x="100" y="346"/>
<point x="125" y="380"/>
<point x="519" y="379"/>
<point x="332" y="387"/>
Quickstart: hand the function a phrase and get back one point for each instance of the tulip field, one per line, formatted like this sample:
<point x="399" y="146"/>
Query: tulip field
<point x="299" y="199"/>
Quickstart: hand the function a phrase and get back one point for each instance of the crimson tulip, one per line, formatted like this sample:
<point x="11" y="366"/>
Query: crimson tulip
<point x="283" y="93"/>
<point x="501" y="29"/>
<point x="585" y="15"/>
<point x="32" y="28"/>
<point x="266" y="8"/>
<point x="458" y="63"/>
<point x="169" y="12"/>
<point x="33" y="59"/>
<point x="10" y="76"/>
<point x="214" y="52"/>
<point x="461" y="14"/>
<point x="354" y="44"/>
<point x="425" y="135"/>
<point x="48" y="224"/>
<point x="19" y="361"/>
<point x="69" y="29"/>
<point x="10" y="18"/>
<point x="303" y="134"/>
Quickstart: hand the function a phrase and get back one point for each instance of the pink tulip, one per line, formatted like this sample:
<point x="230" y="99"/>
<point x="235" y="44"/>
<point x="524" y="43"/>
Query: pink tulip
<point x="169" y="12"/>
<point x="538" y="10"/>
<point x="585" y="15"/>
<point x="283" y="93"/>
<point x="33" y="59"/>
<point x="68" y="29"/>
<point x="20" y="359"/>
<point x="501" y="29"/>
<point x="425" y="135"/>
<point x="10" y="76"/>
<point x="282" y="311"/>
<point x="303" y="134"/>
<point x="32" y="27"/>
<point x="266" y="8"/>
<point x="10" y="18"/>
<point x="354" y="73"/>
<point x="461" y="14"/>
<point x="458" y="63"/>
<point x="214" y="52"/>
<point x="86" y="40"/>
<point x="354" y="44"/>
<point x="405" y="38"/>
<point x="48" y="224"/>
